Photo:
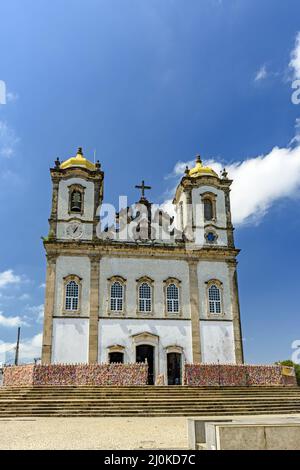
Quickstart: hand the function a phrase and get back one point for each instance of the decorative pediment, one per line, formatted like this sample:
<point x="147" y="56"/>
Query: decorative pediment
<point x="116" y="348"/>
<point x="72" y="277"/>
<point x="145" y="279"/>
<point x="214" y="281"/>
<point x="172" y="280"/>
<point x="174" y="349"/>
<point x="120" y="279"/>
<point x="145" y="337"/>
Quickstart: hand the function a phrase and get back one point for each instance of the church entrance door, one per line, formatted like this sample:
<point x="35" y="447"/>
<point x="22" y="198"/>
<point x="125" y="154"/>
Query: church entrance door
<point x="145" y="352"/>
<point x="174" y="368"/>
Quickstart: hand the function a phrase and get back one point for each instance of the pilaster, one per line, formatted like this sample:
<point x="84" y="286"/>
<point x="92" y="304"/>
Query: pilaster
<point x="53" y="216"/>
<point x="49" y="309"/>
<point x="94" y="309"/>
<point x="195" y="311"/>
<point x="237" y="329"/>
<point x="229" y="226"/>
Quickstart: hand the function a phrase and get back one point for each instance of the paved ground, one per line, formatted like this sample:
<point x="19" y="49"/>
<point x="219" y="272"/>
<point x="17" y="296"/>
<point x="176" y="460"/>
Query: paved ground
<point x="93" y="433"/>
<point x="107" y="433"/>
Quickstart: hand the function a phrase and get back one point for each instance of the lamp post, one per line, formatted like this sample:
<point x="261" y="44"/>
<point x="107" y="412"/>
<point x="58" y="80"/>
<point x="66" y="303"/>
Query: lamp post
<point x="17" y="347"/>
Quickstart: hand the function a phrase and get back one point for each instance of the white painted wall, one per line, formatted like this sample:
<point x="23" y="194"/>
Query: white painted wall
<point x="220" y="205"/>
<point x="217" y="342"/>
<point x="63" y="199"/>
<point x="70" y="340"/>
<point x="132" y="269"/>
<point x="198" y="215"/>
<point x="170" y="333"/>
<point x="208" y="270"/>
<point x="66" y="265"/>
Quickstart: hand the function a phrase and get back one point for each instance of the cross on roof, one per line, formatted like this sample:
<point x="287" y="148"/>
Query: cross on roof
<point x="142" y="187"/>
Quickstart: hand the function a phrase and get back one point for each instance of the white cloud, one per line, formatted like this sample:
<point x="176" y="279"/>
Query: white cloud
<point x="261" y="74"/>
<point x="261" y="181"/>
<point x="8" y="277"/>
<point x="295" y="58"/>
<point x="258" y="182"/>
<point x="11" y="322"/>
<point x="296" y="139"/>
<point x="11" y="96"/>
<point x="8" y="140"/>
<point x="24" y="296"/>
<point x="30" y="348"/>
<point x="38" y="311"/>
<point x="42" y="286"/>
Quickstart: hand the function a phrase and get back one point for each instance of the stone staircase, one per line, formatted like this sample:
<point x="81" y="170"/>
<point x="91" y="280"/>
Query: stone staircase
<point x="83" y="401"/>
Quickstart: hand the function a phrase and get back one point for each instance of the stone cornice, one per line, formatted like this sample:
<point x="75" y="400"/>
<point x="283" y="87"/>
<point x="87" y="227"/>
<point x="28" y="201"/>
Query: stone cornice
<point x="119" y="249"/>
<point x="58" y="174"/>
<point x="187" y="183"/>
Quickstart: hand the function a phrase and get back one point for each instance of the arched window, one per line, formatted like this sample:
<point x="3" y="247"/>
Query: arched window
<point x="116" y="297"/>
<point x="214" y="299"/>
<point x="72" y="296"/>
<point x="145" y="297"/>
<point x="172" y="298"/>
<point x="208" y="209"/>
<point x="76" y="201"/>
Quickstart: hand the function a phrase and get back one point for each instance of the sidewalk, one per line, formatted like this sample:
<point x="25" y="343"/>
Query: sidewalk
<point x="93" y="433"/>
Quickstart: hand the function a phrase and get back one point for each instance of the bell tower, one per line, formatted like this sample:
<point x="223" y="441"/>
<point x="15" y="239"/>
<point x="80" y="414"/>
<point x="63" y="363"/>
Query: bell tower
<point x="202" y="205"/>
<point x="76" y="195"/>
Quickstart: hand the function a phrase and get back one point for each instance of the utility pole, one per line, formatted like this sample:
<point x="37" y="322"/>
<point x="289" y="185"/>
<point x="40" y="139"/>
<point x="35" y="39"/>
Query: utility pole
<point x="17" y="347"/>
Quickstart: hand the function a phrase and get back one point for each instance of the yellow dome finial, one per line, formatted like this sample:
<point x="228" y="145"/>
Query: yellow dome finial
<point x="79" y="160"/>
<point x="199" y="169"/>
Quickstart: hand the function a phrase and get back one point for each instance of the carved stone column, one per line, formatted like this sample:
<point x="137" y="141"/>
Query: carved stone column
<point x="195" y="311"/>
<point x="229" y="226"/>
<point x="49" y="309"/>
<point x="97" y="202"/>
<point x="94" y="309"/>
<point x="237" y="329"/>
<point x="53" y="216"/>
<point x="189" y="229"/>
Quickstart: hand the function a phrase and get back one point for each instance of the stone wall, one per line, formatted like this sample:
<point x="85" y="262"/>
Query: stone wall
<point x="236" y="375"/>
<point x="76" y="374"/>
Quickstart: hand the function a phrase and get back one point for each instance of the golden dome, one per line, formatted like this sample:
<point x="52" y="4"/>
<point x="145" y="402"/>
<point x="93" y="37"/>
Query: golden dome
<point x="79" y="160"/>
<point x="199" y="169"/>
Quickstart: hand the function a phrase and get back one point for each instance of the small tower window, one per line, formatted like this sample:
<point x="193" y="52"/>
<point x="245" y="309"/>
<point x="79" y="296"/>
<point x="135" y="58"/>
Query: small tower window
<point x="172" y="298"/>
<point x="72" y="296"/>
<point x="76" y="201"/>
<point x="116" y="297"/>
<point x="214" y="299"/>
<point x="145" y="297"/>
<point x="208" y="209"/>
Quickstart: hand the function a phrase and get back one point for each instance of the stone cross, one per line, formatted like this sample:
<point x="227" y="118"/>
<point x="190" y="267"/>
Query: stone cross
<point x="142" y="187"/>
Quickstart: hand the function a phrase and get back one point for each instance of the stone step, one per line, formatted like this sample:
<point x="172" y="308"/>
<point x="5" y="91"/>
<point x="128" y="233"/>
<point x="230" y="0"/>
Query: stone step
<point x="143" y="413"/>
<point x="150" y="393"/>
<point x="149" y="389"/>
<point x="79" y="401"/>
<point x="48" y="406"/>
<point x="145" y="401"/>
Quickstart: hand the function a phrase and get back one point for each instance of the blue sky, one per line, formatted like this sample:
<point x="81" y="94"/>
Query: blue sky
<point x="148" y="84"/>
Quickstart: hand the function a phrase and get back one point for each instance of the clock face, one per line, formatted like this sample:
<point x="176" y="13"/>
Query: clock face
<point x="74" y="230"/>
<point x="211" y="237"/>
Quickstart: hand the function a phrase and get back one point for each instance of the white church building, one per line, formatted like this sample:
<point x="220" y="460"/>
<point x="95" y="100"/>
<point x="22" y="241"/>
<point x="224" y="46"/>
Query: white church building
<point x="123" y="292"/>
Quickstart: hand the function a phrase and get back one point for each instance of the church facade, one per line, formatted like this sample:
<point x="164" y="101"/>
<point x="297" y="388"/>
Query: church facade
<point x="128" y="292"/>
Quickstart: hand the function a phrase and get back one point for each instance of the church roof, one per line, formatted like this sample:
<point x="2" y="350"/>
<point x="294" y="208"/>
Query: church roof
<point x="199" y="169"/>
<point x="78" y="160"/>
